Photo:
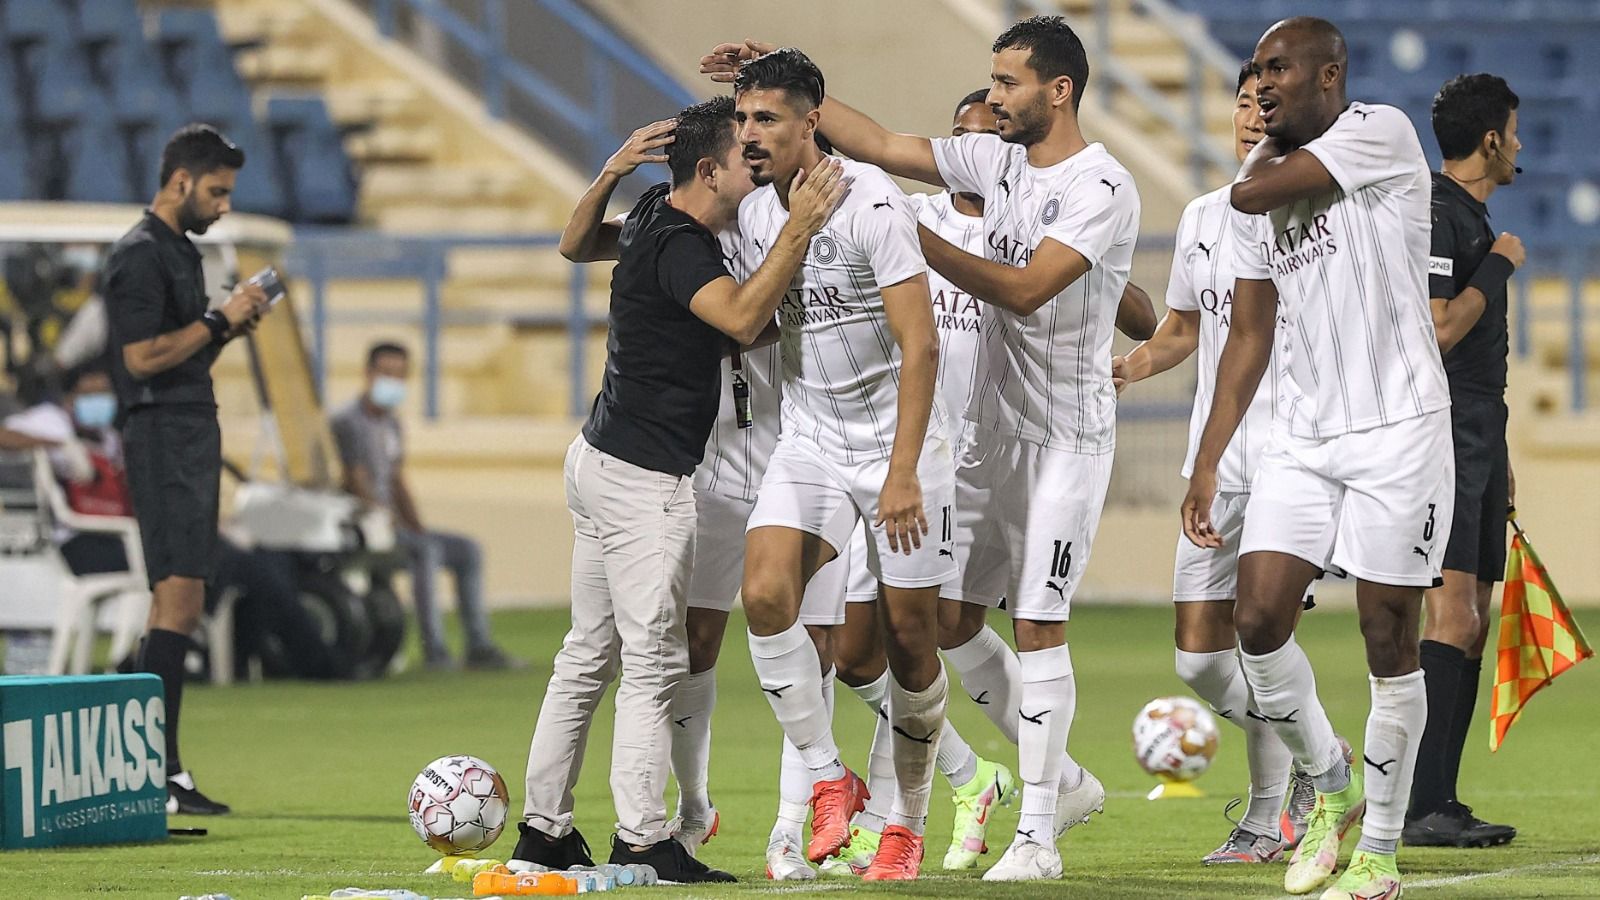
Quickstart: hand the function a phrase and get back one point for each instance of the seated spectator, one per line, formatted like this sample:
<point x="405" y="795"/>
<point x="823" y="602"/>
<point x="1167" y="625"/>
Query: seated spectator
<point x="372" y="447"/>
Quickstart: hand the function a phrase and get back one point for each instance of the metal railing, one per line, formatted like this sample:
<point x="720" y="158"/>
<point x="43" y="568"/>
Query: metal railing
<point x="548" y="65"/>
<point x="325" y="255"/>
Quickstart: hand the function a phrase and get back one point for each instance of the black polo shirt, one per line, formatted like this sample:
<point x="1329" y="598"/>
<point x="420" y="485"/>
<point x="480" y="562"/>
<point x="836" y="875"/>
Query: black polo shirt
<point x="662" y="386"/>
<point x="153" y="286"/>
<point x="1476" y="365"/>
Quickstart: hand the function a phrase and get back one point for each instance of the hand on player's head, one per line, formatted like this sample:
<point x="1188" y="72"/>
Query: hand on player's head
<point x="816" y="194"/>
<point x="641" y="147"/>
<point x="723" y="62"/>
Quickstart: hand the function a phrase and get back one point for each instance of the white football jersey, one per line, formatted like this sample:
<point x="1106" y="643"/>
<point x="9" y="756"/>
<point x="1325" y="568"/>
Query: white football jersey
<point x="1047" y="376"/>
<point x="958" y="314"/>
<point x="737" y="457"/>
<point x="841" y="366"/>
<point x="1351" y="268"/>
<point x="1202" y="280"/>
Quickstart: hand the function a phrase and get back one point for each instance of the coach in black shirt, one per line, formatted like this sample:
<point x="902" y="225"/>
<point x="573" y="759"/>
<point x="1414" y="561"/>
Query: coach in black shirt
<point x="1475" y="121"/>
<point x="674" y="308"/>
<point x="164" y="341"/>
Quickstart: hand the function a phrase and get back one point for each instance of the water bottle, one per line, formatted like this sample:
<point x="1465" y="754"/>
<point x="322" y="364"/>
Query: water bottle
<point x="186" y="896"/>
<point x="353" y="893"/>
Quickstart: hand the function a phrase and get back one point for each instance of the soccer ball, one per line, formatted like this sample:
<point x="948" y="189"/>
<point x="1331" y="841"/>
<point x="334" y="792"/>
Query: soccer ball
<point x="458" y="805"/>
<point x="1174" y="738"/>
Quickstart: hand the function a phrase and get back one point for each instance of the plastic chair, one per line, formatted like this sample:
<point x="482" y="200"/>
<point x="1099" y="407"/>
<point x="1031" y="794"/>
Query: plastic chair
<point x="108" y="21"/>
<point x="63" y="86"/>
<point x="320" y="179"/>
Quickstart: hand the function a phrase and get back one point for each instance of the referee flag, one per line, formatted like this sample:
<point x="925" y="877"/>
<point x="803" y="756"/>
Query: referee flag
<point x="1538" y="637"/>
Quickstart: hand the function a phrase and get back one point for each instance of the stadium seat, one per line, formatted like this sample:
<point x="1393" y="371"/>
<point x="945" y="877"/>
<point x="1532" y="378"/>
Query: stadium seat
<point x="13" y="165"/>
<point x="221" y="94"/>
<point x="260" y="185"/>
<point x="318" y="170"/>
<point x="182" y="35"/>
<point x="139" y="92"/>
<point x="108" y="21"/>
<point x="34" y="21"/>
<point x="63" y="88"/>
<point x="95" y="156"/>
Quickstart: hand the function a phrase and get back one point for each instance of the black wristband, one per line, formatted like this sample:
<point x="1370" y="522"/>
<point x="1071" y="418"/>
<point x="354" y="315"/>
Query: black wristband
<point x="1492" y="274"/>
<point x="218" y="323"/>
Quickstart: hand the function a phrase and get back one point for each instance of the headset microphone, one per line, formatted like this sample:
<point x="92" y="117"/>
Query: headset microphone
<point x="1515" y="168"/>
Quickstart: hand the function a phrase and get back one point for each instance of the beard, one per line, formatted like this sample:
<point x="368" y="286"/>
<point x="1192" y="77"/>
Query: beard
<point x="1029" y="125"/>
<point x="190" y="219"/>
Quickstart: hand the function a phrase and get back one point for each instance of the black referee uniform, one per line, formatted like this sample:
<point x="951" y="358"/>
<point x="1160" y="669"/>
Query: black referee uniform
<point x="1476" y="369"/>
<point x="173" y="446"/>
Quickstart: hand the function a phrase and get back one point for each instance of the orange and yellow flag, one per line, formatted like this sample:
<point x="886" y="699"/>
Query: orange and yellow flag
<point x="1538" y="637"/>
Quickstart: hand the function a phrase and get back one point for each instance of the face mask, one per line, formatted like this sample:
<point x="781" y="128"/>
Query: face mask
<point x="94" y="410"/>
<point x="387" y="392"/>
<point x="81" y="259"/>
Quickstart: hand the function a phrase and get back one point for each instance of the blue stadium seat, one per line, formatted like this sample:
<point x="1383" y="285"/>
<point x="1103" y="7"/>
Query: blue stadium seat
<point x="13" y="165"/>
<point x="63" y="88"/>
<point x="108" y="21"/>
<point x="139" y="92"/>
<point x="97" y="163"/>
<point x="221" y="93"/>
<point x="34" y="21"/>
<point x="183" y="36"/>
<point x="260" y="187"/>
<point x="318" y="170"/>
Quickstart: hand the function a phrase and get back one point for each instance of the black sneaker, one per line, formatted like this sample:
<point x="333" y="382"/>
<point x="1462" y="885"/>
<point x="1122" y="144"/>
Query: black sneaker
<point x="184" y="799"/>
<point x="1455" y="826"/>
<point x="555" y="854"/>
<point x="672" y="862"/>
<point x="492" y="659"/>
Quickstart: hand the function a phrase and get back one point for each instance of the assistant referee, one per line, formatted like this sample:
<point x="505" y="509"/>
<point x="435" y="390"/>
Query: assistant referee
<point x="164" y="341"/>
<point x="1475" y="122"/>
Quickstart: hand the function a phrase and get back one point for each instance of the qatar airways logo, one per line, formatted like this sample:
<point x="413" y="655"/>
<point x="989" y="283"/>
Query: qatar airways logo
<point x="803" y="304"/>
<point x="956" y="311"/>
<point x="1006" y="249"/>
<point x="1299" y="245"/>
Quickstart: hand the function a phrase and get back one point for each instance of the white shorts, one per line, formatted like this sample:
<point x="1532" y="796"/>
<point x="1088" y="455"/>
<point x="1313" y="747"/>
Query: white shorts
<point x="718" y="568"/>
<point x="862" y="587"/>
<point x="1204" y="574"/>
<point x="804" y="490"/>
<point x="1025" y="523"/>
<point x="1377" y="503"/>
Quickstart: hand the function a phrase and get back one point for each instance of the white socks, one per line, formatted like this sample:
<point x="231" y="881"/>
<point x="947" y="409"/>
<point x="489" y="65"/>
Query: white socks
<point x="791" y="678"/>
<point x="1049" y="698"/>
<point x="916" y="719"/>
<point x="957" y="761"/>
<point x="795" y="780"/>
<point x="991" y="676"/>
<point x="691" y="742"/>
<point x="1285" y="692"/>
<point x="1394" y="730"/>
<point x="880" y="766"/>
<point x="1219" y="680"/>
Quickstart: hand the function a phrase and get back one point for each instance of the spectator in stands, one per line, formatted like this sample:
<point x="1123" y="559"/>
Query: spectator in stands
<point x="372" y="447"/>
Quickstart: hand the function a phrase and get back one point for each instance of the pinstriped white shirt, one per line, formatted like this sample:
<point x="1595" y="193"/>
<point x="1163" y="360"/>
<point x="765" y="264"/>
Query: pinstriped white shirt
<point x="958" y="314"/>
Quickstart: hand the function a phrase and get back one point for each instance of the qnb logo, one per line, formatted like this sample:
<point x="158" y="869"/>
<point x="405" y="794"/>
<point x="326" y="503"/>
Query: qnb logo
<point x="86" y="753"/>
<point x="1052" y="209"/>
<point x="824" y="250"/>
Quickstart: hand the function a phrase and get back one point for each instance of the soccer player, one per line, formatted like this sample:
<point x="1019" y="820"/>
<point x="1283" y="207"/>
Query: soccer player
<point x="1358" y="473"/>
<point x="674" y="309"/>
<point x="1204" y="583"/>
<point x="1060" y="219"/>
<point x="862" y="444"/>
<point x="1475" y="122"/>
<point x="978" y="784"/>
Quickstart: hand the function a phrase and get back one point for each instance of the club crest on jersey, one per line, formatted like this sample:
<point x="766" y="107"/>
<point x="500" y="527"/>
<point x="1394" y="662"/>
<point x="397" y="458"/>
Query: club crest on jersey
<point x="824" y="250"/>
<point x="1052" y="208"/>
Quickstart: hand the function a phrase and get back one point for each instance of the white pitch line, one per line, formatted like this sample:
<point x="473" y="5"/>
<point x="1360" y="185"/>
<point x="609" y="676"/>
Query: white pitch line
<point x="1453" y="880"/>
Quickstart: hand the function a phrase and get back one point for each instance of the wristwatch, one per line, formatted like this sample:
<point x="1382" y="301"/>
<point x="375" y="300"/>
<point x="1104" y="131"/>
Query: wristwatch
<point x="218" y="323"/>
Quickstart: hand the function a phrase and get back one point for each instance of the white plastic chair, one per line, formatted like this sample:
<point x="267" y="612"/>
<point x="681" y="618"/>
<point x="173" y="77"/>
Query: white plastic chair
<point x="80" y="596"/>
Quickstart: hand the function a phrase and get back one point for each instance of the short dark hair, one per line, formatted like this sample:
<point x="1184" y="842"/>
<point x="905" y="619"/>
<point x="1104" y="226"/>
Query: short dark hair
<point x="704" y="129"/>
<point x="787" y="69"/>
<point x="201" y="150"/>
<point x="1246" y="72"/>
<point x="383" y="348"/>
<point x="75" y="376"/>
<point x="980" y="96"/>
<point x="1467" y="108"/>
<point x="1055" y="50"/>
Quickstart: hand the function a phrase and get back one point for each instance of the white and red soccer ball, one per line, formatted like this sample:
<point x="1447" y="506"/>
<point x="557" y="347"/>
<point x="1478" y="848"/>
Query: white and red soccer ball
<point x="1174" y="738"/>
<point x="458" y="805"/>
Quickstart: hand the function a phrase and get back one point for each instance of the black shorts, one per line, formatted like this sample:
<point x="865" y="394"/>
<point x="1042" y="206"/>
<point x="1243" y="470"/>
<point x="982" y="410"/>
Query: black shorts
<point x="174" y="459"/>
<point x="1478" y="531"/>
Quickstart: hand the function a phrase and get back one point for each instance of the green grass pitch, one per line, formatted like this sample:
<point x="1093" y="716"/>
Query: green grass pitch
<point x="317" y="775"/>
